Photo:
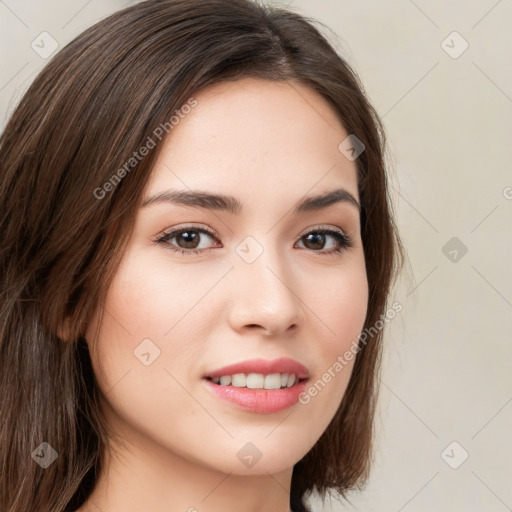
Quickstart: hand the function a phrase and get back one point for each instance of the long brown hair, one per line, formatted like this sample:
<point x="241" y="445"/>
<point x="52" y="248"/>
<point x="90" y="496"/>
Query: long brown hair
<point x="89" y="110"/>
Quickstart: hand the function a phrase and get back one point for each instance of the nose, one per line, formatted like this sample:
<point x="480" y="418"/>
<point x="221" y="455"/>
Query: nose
<point x="265" y="296"/>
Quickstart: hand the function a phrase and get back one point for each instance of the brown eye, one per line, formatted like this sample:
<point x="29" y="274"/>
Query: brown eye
<point x="316" y="240"/>
<point x="187" y="240"/>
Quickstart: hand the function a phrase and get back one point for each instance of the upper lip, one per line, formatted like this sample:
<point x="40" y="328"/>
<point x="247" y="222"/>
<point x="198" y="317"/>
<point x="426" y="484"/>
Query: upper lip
<point x="264" y="366"/>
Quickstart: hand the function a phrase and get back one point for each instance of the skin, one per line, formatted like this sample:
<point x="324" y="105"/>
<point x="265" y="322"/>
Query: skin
<point x="268" y="144"/>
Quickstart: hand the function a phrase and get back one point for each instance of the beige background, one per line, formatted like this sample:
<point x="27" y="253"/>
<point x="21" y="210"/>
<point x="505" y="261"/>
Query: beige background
<point x="447" y="365"/>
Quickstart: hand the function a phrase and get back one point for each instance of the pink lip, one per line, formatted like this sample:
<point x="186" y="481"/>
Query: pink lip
<point x="263" y="366"/>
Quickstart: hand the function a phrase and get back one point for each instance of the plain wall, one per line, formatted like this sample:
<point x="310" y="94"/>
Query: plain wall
<point x="446" y="376"/>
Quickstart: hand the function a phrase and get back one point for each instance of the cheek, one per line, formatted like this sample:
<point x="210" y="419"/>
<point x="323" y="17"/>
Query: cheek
<point x="149" y="309"/>
<point x="342" y="308"/>
<point x="152" y="298"/>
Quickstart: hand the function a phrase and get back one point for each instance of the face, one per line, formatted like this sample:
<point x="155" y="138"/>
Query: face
<point x="259" y="280"/>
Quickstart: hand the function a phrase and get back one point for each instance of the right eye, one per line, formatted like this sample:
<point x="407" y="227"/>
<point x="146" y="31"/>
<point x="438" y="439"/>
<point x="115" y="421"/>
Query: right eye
<point x="189" y="236"/>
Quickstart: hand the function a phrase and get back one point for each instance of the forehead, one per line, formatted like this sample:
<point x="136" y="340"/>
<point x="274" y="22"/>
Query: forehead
<point x="253" y="137"/>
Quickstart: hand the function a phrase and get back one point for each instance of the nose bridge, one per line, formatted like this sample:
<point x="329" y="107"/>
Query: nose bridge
<point x="266" y="296"/>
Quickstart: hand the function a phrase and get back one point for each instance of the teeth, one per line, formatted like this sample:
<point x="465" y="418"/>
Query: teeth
<point x="239" y="380"/>
<point x="257" y="380"/>
<point x="225" y="380"/>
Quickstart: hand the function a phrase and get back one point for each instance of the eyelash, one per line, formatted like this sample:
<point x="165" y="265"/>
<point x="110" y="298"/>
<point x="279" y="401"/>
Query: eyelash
<point x="344" y="241"/>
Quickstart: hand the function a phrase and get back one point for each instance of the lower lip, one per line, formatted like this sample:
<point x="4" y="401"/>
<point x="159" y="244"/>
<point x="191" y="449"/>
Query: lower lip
<point x="258" y="400"/>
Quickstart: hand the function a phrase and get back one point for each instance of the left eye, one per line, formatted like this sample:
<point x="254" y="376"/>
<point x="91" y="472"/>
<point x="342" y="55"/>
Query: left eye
<point x="189" y="237"/>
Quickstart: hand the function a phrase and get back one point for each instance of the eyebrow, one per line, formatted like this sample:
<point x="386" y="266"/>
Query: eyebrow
<point x="202" y="199"/>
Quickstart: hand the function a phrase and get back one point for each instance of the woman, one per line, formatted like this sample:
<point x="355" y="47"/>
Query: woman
<point x="196" y="232"/>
